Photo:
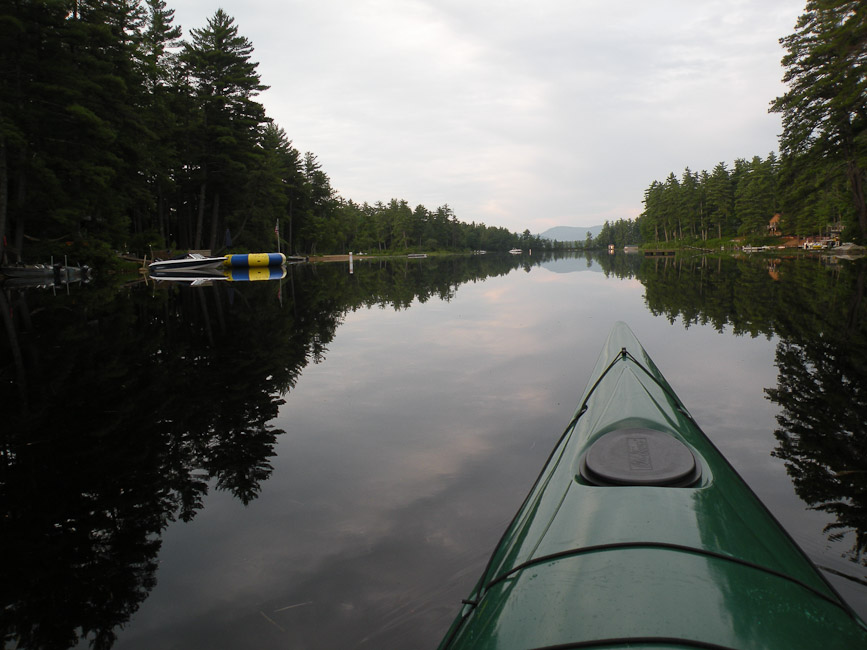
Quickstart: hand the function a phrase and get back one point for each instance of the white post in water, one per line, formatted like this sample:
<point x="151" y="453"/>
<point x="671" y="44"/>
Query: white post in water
<point x="350" y="262"/>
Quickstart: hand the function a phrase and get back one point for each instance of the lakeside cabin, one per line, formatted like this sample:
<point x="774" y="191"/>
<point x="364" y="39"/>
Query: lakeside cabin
<point x="774" y="225"/>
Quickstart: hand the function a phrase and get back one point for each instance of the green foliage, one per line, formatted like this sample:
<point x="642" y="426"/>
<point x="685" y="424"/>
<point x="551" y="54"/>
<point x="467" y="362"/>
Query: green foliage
<point x="623" y="232"/>
<point x="819" y="182"/>
<point x="703" y="205"/>
<point x="114" y="128"/>
<point x="755" y="195"/>
<point x="395" y="227"/>
<point x="824" y="140"/>
<point x="819" y="316"/>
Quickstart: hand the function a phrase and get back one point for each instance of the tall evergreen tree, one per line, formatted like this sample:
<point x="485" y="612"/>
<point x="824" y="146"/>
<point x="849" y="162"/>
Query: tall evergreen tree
<point x="163" y="113"/>
<point x="29" y="37"/>
<point x="704" y="208"/>
<point x="401" y="222"/>
<point x="690" y="201"/>
<point x="318" y="200"/>
<point x="70" y="128"/>
<point x="160" y="36"/>
<point x="272" y="186"/>
<point x="651" y="218"/>
<point x="672" y="208"/>
<point x="720" y="198"/>
<point x="225" y="82"/>
<point x="825" y="109"/>
<point x="754" y="196"/>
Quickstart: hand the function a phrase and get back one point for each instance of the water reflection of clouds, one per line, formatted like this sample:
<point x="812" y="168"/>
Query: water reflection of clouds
<point x="404" y="403"/>
<point x="409" y="448"/>
<point x="347" y="548"/>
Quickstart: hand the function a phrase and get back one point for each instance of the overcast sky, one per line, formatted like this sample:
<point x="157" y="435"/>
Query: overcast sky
<point x="516" y="114"/>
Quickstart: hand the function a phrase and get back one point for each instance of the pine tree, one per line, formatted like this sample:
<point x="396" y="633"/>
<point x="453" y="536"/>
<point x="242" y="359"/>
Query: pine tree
<point x="754" y="196"/>
<point x="672" y="217"/>
<point x="720" y="198"/>
<point x="225" y="81"/>
<point x="825" y="109"/>
<point x="690" y="201"/>
<point x="163" y="114"/>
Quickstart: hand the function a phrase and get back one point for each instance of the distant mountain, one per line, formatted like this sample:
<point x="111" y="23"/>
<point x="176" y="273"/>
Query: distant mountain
<point x="571" y="265"/>
<point x="570" y="233"/>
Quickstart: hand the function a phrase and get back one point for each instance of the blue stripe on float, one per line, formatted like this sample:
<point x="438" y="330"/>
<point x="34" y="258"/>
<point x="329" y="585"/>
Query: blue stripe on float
<point x="240" y="274"/>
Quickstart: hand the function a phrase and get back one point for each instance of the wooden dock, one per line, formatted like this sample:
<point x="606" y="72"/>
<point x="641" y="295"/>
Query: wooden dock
<point x="660" y="253"/>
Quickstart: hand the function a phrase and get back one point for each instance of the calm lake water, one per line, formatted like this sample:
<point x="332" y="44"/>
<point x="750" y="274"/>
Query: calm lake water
<point x="327" y="461"/>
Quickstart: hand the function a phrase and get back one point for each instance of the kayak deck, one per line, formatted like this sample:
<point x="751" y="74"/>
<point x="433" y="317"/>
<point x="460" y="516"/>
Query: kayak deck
<point x="612" y="556"/>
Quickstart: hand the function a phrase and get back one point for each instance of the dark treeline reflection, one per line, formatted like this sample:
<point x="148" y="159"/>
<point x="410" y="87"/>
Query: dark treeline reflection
<point x="123" y="406"/>
<point x="819" y="313"/>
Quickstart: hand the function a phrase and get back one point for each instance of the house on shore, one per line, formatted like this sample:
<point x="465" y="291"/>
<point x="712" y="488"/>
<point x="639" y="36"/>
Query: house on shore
<point x="774" y="225"/>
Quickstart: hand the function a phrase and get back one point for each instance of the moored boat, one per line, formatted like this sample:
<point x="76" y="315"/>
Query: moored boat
<point x="192" y="261"/>
<point x="197" y="261"/>
<point x="639" y="534"/>
<point x="205" y="277"/>
<point x="191" y="277"/>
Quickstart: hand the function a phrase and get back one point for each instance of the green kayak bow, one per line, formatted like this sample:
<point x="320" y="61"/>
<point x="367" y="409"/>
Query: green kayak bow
<point x="639" y="534"/>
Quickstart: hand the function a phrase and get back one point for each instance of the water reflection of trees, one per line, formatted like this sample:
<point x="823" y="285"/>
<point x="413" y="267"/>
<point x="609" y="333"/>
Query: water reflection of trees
<point x="121" y="408"/>
<point x="126" y="409"/>
<point x="822" y="389"/>
<point x="818" y="313"/>
<point x="822" y="433"/>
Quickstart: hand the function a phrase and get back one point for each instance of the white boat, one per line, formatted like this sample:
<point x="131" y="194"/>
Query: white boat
<point x="192" y="277"/>
<point x="190" y="261"/>
<point x="516" y="251"/>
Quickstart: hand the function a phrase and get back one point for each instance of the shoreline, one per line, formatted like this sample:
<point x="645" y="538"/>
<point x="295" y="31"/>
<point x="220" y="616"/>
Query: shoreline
<point x="338" y="258"/>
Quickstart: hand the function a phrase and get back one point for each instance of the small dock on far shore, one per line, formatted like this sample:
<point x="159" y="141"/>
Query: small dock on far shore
<point x="660" y="253"/>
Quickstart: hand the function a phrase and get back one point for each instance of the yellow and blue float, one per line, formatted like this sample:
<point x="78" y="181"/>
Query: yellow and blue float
<point x="254" y="273"/>
<point x="254" y="260"/>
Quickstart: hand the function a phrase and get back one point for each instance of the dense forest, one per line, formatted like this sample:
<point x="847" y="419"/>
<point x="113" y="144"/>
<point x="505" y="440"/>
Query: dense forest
<point x="818" y="182"/>
<point x="702" y="205"/>
<point x="118" y="134"/>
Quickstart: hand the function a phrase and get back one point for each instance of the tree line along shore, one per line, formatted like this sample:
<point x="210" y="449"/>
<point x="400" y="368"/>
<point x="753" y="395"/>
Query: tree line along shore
<point x="119" y="134"/>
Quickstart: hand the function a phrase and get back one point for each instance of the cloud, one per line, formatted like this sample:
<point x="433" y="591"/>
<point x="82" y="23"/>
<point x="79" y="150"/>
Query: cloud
<point x="516" y="114"/>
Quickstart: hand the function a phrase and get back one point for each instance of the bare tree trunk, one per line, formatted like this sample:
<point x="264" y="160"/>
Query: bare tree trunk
<point x="856" y="182"/>
<point x="206" y="317"/>
<point x="20" y="197"/>
<point x="857" y="299"/>
<point x="161" y="215"/>
<point x="200" y="217"/>
<point x="17" y="356"/>
<point x="290" y="249"/>
<point x="215" y="218"/>
<point x="4" y="197"/>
